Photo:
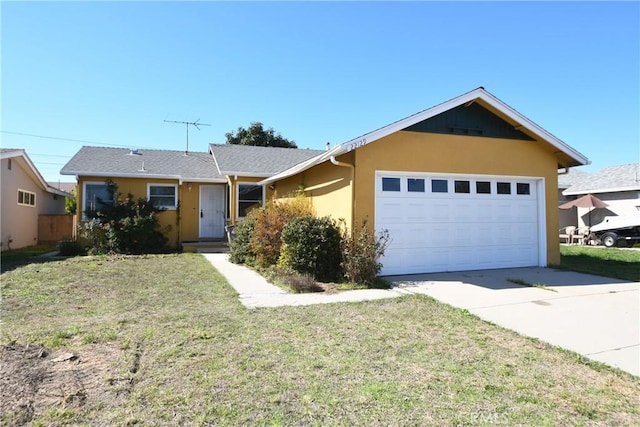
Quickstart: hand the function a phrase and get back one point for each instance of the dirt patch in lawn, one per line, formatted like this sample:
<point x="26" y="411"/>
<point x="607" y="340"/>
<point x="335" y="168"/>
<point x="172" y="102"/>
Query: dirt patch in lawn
<point x="34" y="379"/>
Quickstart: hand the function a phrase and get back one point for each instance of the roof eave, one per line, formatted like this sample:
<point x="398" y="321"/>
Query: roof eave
<point x="479" y="93"/>
<point x="568" y="192"/>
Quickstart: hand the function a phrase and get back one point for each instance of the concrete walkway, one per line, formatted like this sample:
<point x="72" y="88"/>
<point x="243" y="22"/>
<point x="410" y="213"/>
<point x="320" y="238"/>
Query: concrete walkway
<point x="255" y="291"/>
<point x="593" y="316"/>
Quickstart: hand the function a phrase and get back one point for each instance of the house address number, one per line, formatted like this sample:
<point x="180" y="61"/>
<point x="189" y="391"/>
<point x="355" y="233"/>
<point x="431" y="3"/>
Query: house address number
<point x="357" y="144"/>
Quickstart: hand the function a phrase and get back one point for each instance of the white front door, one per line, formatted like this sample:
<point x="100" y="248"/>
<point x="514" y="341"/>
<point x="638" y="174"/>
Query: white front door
<point x="212" y="216"/>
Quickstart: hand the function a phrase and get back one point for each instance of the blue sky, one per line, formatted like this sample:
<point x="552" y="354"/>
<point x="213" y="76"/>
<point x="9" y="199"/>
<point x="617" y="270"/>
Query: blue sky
<point x="109" y="73"/>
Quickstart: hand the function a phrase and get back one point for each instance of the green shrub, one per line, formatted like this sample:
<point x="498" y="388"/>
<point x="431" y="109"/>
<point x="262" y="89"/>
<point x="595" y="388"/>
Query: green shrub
<point x="312" y="246"/>
<point x="266" y="239"/>
<point x="240" y="251"/>
<point x="361" y="252"/>
<point x="69" y="247"/>
<point x="127" y="226"/>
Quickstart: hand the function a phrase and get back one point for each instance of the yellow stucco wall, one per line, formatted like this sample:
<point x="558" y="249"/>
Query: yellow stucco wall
<point x="187" y="229"/>
<point x="429" y="152"/>
<point x="328" y="186"/>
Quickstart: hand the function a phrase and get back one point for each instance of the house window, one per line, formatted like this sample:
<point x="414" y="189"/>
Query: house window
<point x="415" y="185"/>
<point x="523" y="188"/>
<point x="9" y="164"/>
<point x="250" y="196"/>
<point x="163" y="196"/>
<point x="504" y="188"/>
<point x="390" y="184"/>
<point x="95" y="195"/>
<point x="483" y="187"/>
<point x="439" y="186"/>
<point x="462" y="186"/>
<point x="26" y="198"/>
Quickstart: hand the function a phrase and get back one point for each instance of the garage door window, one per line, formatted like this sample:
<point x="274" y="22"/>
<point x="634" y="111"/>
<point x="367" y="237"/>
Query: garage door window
<point x="439" y="186"/>
<point x="504" y="188"/>
<point x="462" y="187"/>
<point x="415" y="185"/>
<point x="523" y="188"/>
<point x="390" y="184"/>
<point x="483" y="187"/>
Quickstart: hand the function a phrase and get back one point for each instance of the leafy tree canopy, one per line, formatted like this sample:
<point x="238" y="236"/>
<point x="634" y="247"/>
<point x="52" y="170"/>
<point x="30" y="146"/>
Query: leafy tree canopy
<point x="258" y="136"/>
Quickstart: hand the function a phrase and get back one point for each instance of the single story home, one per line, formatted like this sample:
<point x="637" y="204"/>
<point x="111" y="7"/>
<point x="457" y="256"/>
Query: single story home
<point x="25" y="198"/>
<point x="468" y="184"/>
<point x="617" y="186"/>
<point x="200" y="192"/>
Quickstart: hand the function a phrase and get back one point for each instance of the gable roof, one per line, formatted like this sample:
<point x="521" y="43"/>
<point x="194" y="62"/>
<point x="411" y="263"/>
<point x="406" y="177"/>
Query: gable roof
<point x="567" y="156"/>
<point x="125" y="163"/>
<point x="21" y="156"/>
<point x="256" y="161"/>
<point x="608" y="180"/>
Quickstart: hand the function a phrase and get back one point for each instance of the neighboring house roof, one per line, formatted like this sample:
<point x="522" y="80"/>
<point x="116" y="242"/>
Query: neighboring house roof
<point x="608" y="180"/>
<point x="21" y="155"/>
<point x="568" y="156"/>
<point x="573" y="176"/>
<point x="69" y="187"/>
<point x="125" y="163"/>
<point x="247" y="160"/>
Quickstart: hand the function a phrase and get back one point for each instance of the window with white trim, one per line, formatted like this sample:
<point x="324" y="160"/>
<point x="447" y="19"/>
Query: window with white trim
<point x="163" y="196"/>
<point x="250" y="196"/>
<point x="26" y="198"/>
<point x="94" y="196"/>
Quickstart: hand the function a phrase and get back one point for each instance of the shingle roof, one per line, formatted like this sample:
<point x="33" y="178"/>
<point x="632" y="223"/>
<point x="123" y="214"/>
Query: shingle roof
<point x="572" y="177"/>
<point x="257" y="161"/>
<point x="609" y="179"/>
<point x="106" y="161"/>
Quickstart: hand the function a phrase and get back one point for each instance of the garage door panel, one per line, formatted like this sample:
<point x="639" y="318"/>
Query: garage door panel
<point x="458" y="231"/>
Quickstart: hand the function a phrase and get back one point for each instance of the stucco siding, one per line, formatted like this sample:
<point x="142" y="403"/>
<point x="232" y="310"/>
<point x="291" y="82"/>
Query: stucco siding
<point x="328" y="186"/>
<point x="425" y="152"/>
<point x="20" y="223"/>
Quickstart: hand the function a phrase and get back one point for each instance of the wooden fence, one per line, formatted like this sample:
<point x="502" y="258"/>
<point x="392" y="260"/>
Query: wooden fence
<point x="53" y="228"/>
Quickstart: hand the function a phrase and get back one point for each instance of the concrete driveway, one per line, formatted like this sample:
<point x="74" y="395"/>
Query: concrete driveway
<point x="595" y="316"/>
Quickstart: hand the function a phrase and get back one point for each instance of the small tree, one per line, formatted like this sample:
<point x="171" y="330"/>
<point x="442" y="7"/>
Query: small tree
<point x="258" y="136"/>
<point x="71" y="203"/>
<point x="361" y="251"/>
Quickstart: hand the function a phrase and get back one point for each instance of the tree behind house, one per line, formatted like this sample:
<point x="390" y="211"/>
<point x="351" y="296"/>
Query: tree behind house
<point x="258" y="136"/>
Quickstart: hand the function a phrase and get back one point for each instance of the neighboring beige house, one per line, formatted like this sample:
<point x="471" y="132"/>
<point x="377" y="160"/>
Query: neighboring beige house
<point x="25" y="196"/>
<point x="617" y="186"/>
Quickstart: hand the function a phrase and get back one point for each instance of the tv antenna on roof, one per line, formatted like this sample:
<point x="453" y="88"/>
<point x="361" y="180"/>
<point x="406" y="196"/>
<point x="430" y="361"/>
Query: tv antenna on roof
<point x="196" y="124"/>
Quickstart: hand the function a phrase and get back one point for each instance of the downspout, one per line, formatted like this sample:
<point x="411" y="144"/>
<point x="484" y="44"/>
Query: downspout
<point x="353" y="187"/>
<point x="232" y="202"/>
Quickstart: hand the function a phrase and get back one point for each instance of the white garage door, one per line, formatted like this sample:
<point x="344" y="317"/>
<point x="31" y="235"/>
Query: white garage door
<point x="457" y="222"/>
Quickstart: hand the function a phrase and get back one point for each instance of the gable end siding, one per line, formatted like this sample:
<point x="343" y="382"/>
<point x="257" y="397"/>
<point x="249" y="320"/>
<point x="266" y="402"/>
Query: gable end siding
<point x="472" y="120"/>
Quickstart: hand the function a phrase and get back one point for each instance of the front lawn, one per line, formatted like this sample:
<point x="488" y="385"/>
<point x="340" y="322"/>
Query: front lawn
<point x="12" y="258"/>
<point x="609" y="262"/>
<point x="163" y="340"/>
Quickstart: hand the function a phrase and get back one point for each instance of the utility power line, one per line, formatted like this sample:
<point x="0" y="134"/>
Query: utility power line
<point x="73" y="140"/>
